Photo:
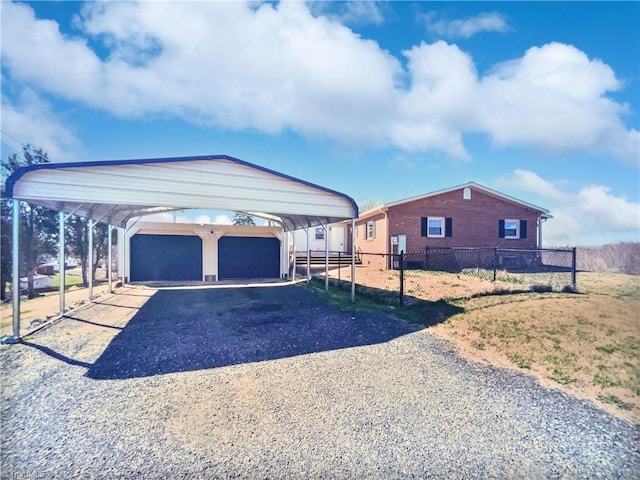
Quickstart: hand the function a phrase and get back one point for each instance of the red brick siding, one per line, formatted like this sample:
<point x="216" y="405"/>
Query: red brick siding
<point x="373" y="245"/>
<point x="475" y="221"/>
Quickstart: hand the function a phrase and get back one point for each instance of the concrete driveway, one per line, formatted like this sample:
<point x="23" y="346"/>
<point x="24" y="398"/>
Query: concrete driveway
<point x="272" y="382"/>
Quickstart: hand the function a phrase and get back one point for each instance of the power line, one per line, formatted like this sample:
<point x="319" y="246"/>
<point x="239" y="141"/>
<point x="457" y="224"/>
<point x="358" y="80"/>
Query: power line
<point x="22" y="144"/>
<point x="9" y="147"/>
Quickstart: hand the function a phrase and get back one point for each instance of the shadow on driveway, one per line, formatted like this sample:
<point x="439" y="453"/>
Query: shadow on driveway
<point x="192" y="329"/>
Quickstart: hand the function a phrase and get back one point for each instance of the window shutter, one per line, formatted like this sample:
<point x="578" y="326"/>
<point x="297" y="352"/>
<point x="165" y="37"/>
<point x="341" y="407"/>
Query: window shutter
<point x="501" y="228"/>
<point x="423" y="226"/>
<point x="523" y="229"/>
<point x="448" y="227"/>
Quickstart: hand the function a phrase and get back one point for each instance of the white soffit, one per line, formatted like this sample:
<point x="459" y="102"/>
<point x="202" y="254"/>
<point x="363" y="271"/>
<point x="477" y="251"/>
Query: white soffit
<point x="115" y="191"/>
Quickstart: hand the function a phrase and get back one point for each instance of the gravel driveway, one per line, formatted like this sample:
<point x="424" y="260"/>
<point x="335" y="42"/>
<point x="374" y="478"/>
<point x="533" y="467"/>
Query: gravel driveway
<point x="272" y="382"/>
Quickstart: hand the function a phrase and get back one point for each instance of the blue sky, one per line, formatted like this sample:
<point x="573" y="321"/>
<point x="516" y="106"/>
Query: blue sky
<point x="381" y="101"/>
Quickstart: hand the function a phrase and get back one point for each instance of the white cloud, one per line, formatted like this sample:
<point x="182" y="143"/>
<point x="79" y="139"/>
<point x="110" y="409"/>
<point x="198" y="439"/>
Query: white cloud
<point x="271" y="68"/>
<point x="167" y="217"/>
<point x="530" y="183"/>
<point x="202" y="220"/>
<point x="468" y="27"/>
<point x="554" y="98"/>
<point x="222" y="220"/>
<point x="31" y="120"/>
<point x="189" y="216"/>
<point x="601" y="207"/>
<point x="361" y="12"/>
<point x="431" y="113"/>
<point x="591" y="215"/>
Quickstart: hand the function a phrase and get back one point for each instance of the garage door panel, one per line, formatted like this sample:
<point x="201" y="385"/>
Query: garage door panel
<point x="166" y="257"/>
<point x="248" y="257"/>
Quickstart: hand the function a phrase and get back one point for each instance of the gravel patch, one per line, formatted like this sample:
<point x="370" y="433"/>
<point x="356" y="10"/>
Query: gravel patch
<point x="274" y="383"/>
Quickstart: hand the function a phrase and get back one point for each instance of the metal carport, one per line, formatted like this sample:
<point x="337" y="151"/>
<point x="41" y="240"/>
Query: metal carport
<point x="113" y="192"/>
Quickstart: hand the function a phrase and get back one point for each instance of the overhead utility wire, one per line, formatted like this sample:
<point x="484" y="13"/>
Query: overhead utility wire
<point x="22" y="144"/>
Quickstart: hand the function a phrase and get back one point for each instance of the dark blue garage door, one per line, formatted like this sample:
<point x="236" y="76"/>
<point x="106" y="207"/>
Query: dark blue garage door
<point x="166" y="257"/>
<point x="248" y="257"/>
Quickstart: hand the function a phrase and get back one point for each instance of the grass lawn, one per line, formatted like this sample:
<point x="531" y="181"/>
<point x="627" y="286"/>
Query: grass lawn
<point x="69" y="280"/>
<point x="587" y="344"/>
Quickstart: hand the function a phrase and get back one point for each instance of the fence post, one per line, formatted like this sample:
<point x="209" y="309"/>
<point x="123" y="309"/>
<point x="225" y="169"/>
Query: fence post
<point x="495" y="263"/>
<point x="339" y="266"/>
<point x="574" y="281"/>
<point x="401" y="278"/>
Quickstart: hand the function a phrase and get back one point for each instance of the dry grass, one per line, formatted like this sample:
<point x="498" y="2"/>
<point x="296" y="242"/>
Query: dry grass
<point x="587" y="344"/>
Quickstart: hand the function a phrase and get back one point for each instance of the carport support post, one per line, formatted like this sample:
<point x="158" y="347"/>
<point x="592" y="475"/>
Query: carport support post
<point x="109" y="232"/>
<point x="308" y="259"/>
<point x="15" y="268"/>
<point x="90" y="272"/>
<point x="293" y="237"/>
<point x="326" y="257"/>
<point x="353" y="259"/>
<point x="61" y="271"/>
<point x="574" y="281"/>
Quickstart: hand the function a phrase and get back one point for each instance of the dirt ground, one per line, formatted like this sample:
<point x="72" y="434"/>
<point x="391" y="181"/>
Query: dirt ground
<point x="45" y="306"/>
<point x="431" y="286"/>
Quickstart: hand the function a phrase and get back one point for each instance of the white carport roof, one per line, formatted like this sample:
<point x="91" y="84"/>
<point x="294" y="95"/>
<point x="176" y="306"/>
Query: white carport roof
<point x="115" y="191"/>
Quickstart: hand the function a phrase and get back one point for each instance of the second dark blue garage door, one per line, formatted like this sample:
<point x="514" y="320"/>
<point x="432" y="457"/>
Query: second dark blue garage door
<point x="248" y="257"/>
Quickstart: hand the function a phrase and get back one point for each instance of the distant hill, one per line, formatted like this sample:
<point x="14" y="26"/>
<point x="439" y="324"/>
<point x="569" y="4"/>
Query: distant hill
<point x="611" y="258"/>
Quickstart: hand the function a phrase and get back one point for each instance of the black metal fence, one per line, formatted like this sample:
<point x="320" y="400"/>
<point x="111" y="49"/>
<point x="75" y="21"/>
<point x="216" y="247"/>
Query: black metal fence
<point x="449" y="273"/>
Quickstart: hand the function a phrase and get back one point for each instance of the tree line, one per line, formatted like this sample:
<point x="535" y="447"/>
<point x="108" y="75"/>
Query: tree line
<point x="39" y="231"/>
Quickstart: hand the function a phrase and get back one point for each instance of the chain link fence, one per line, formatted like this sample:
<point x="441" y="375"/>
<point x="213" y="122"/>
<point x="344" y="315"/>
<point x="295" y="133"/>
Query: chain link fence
<point x="451" y="273"/>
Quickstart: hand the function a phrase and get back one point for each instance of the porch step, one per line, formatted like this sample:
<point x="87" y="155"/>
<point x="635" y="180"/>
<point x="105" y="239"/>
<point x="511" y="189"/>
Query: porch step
<point x="334" y="259"/>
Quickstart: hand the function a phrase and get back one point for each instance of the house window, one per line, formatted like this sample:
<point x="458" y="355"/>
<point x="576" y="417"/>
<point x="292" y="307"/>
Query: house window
<point x="435" y="227"/>
<point x="511" y="228"/>
<point x="466" y="194"/>
<point x="319" y="233"/>
<point x="371" y="229"/>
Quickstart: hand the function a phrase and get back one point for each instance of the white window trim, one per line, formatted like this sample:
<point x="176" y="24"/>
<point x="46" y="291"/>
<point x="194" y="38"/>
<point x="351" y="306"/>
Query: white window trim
<point x="442" y="227"/>
<point x="371" y="230"/>
<point x="517" y="234"/>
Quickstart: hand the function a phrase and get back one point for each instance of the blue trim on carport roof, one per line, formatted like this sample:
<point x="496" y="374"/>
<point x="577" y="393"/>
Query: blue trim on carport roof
<point x="15" y="176"/>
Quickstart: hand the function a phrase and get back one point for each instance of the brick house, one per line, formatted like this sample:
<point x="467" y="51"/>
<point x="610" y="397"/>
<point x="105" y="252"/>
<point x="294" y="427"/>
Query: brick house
<point x="468" y="215"/>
